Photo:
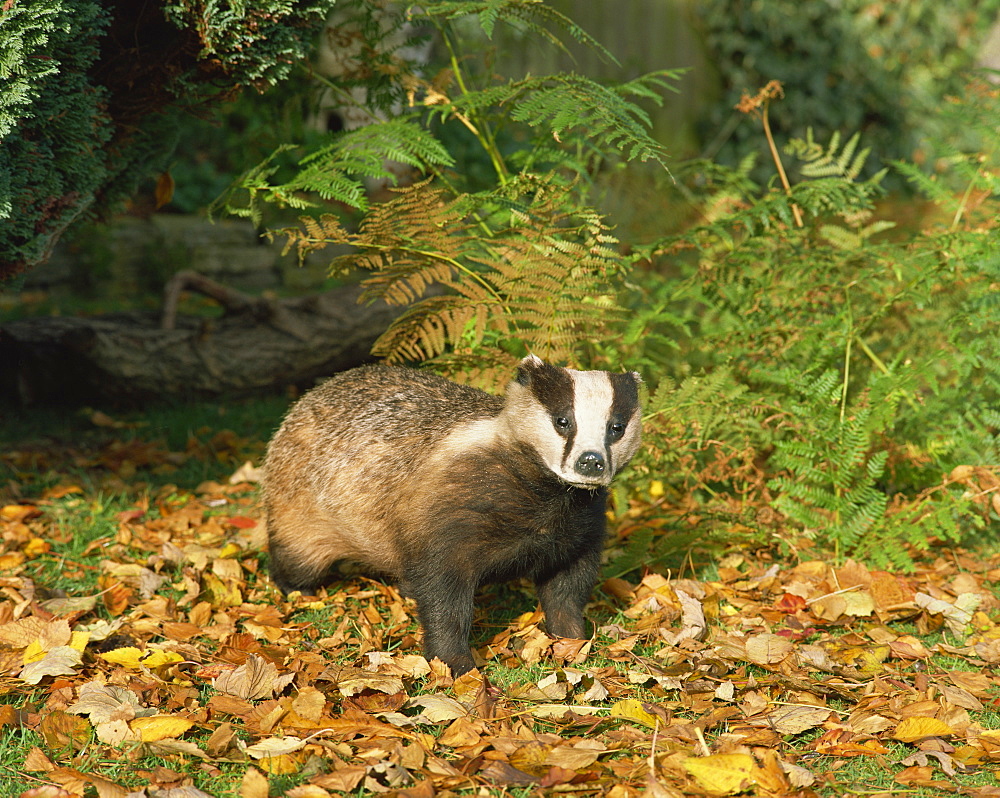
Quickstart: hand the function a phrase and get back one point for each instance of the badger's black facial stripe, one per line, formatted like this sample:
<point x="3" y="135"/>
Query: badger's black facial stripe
<point x="626" y="396"/>
<point x="553" y="388"/>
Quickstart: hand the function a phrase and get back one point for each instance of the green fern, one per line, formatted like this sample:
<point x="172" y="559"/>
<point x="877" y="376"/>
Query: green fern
<point x="608" y="116"/>
<point x="335" y="172"/>
<point x="530" y="16"/>
<point x="831" y="161"/>
<point x="832" y="465"/>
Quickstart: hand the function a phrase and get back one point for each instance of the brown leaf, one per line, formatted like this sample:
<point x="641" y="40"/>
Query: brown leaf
<point x="74" y="779"/>
<point x="230" y="705"/>
<point x="531" y="758"/>
<point x="438" y="708"/>
<point x="767" y="649"/>
<point x="105" y="702"/>
<point x="37" y="761"/>
<point x="576" y="757"/>
<point x="500" y="772"/>
<point x="461" y="732"/>
<point x="255" y="679"/>
<point x="309" y="703"/>
<point x="344" y="779"/>
<point x="254" y="784"/>
<point x="351" y="681"/>
<point x="62" y="731"/>
<point x="794" y="720"/>
<point x="373" y="702"/>
<point x="164" y="189"/>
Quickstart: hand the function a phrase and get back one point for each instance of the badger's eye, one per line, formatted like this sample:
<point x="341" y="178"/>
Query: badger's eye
<point x="616" y="430"/>
<point x="561" y="422"/>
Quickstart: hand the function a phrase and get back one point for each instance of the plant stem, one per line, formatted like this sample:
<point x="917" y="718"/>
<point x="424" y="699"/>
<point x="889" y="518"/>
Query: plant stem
<point x="482" y="133"/>
<point x="780" y="166"/>
<point x="847" y="358"/>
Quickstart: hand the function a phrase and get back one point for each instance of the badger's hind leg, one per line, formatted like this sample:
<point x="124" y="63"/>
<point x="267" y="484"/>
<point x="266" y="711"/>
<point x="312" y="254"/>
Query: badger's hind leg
<point x="302" y="559"/>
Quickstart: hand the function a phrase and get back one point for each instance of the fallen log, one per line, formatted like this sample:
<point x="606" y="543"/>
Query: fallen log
<point x="258" y="345"/>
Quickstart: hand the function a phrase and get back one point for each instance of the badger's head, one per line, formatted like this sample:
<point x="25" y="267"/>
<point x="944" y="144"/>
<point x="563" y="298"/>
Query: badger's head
<point x="585" y="425"/>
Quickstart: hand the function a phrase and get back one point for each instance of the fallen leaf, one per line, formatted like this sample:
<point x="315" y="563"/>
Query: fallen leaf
<point x="275" y="746"/>
<point x="254" y="784"/>
<point x="957" y="616"/>
<point x="104" y="702"/>
<point x="767" y="649"/>
<point x="912" y="729"/>
<point x="793" y="720"/>
<point x="438" y="708"/>
<point x="61" y="730"/>
<point x="255" y="679"/>
<point x="923" y="758"/>
<point x="59" y="661"/>
<point x="722" y="774"/>
<point x="160" y="727"/>
<point x="632" y="709"/>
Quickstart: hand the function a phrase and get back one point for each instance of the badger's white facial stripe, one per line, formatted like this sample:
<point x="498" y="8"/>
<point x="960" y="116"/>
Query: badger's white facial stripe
<point x="593" y="397"/>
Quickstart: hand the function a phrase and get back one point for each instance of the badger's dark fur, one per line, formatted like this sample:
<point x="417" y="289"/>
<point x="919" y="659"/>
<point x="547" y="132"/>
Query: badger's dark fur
<point x="444" y="488"/>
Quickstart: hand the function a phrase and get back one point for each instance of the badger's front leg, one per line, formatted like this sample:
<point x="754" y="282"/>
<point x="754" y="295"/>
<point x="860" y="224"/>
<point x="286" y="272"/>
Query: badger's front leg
<point x="564" y="594"/>
<point x="445" y="608"/>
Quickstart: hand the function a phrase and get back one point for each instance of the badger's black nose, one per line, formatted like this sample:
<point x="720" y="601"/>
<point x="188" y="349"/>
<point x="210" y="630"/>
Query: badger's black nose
<point x="590" y="464"/>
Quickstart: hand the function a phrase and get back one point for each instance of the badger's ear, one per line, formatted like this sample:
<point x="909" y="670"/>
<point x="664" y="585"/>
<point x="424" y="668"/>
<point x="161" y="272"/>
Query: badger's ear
<point x="527" y="367"/>
<point x="637" y="377"/>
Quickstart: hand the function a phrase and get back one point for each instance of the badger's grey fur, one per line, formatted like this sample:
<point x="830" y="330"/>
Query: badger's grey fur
<point x="443" y="487"/>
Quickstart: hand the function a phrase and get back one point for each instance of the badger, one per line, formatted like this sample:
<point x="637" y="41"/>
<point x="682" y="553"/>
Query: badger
<point x="442" y="488"/>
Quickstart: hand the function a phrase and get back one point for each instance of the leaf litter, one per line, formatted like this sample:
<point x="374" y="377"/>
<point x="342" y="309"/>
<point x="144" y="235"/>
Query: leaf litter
<point x="766" y="680"/>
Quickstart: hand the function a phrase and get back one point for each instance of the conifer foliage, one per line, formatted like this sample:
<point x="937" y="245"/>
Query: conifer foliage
<point x="90" y="89"/>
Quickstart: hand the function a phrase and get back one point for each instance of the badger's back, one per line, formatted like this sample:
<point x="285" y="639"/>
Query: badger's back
<point x="355" y="455"/>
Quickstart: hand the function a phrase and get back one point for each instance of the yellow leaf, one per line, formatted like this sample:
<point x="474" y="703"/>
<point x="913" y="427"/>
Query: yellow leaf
<point x="912" y="729"/>
<point x="33" y="653"/>
<point x="656" y="489"/>
<point x="220" y="593"/>
<point x="160" y="727"/>
<point x="157" y="659"/>
<point x="280" y="765"/>
<point x="127" y="657"/>
<point x="723" y="774"/>
<point x="859" y="603"/>
<point x="136" y="659"/>
<point x="35" y="547"/>
<point x="79" y="640"/>
<point x="630" y="709"/>
<point x="230" y="550"/>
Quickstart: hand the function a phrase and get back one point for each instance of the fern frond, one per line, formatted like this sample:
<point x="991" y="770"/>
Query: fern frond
<point x="527" y="15"/>
<point x="543" y="280"/>
<point x="846" y="163"/>
<point x="566" y="102"/>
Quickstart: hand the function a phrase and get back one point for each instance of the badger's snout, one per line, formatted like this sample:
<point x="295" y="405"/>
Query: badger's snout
<point x="590" y="464"/>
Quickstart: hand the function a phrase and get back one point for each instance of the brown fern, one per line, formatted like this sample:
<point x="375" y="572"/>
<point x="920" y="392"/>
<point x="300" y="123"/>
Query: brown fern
<point x="540" y="284"/>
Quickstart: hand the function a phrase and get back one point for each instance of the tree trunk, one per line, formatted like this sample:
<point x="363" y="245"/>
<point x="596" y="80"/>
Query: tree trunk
<point x="129" y="358"/>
